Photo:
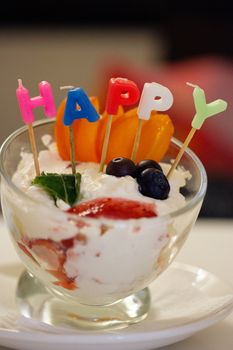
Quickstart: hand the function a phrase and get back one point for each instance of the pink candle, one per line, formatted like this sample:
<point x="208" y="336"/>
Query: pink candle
<point x="27" y="104"/>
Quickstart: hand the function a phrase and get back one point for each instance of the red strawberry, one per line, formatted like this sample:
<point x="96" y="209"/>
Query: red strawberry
<point x="49" y="252"/>
<point x="63" y="280"/>
<point x="26" y="251"/>
<point x="53" y="254"/>
<point x="65" y="284"/>
<point x="67" y="243"/>
<point x="114" y="208"/>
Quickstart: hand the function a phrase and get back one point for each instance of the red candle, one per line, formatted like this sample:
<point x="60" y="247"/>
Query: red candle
<point x="121" y="92"/>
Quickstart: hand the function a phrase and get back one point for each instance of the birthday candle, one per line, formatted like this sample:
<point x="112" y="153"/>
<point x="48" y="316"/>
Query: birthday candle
<point x="78" y="106"/>
<point x="27" y="104"/>
<point x="123" y="92"/>
<point x="78" y="97"/>
<point x="155" y="97"/>
<point x="203" y="111"/>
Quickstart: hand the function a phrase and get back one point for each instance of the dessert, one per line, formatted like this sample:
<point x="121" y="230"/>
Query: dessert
<point x="95" y="218"/>
<point x="77" y="252"/>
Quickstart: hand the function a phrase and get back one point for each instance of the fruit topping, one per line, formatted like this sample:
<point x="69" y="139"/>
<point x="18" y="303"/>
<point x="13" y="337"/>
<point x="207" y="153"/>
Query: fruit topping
<point x="153" y="183"/>
<point x="121" y="167"/>
<point x="145" y="164"/>
<point x="114" y="208"/>
<point x="155" y="137"/>
<point x="148" y="173"/>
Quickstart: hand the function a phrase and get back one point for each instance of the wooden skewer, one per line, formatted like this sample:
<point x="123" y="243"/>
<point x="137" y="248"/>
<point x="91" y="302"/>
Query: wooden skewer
<point x="71" y="136"/>
<point x="72" y="150"/>
<point x="137" y="140"/>
<point x="181" y="152"/>
<point x="105" y="144"/>
<point x="34" y="149"/>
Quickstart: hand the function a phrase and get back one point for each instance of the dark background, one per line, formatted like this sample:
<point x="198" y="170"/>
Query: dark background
<point x="190" y="30"/>
<point x="191" y="27"/>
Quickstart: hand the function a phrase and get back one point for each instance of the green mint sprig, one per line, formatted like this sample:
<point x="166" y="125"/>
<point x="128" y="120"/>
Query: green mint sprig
<point x="60" y="186"/>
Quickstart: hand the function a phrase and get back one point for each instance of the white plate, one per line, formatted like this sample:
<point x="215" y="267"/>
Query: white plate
<point x="185" y="299"/>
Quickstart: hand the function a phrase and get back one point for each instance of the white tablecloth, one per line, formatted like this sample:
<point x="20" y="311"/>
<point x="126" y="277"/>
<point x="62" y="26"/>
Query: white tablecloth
<point x="210" y="246"/>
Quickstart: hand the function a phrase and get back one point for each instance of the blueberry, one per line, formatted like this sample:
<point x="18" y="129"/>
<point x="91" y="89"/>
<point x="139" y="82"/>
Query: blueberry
<point x="153" y="183"/>
<point x="145" y="164"/>
<point x="121" y="167"/>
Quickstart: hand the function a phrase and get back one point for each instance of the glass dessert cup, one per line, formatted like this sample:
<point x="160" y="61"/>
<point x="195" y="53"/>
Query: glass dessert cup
<point x="88" y="272"/>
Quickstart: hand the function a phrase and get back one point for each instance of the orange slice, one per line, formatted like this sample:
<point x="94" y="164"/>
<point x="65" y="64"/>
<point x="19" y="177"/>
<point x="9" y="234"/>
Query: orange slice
<point x="155" y="138"/>
<point x="121" y="138"/>
<point x="62" y="133"/>
<point x="154" y="142"/>
<point x="88" y="137"/>
<point x="102" y="128"/>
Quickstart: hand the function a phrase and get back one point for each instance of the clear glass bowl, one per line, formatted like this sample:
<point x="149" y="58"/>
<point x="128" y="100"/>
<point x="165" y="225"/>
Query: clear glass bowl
<point x="93" y="272"/>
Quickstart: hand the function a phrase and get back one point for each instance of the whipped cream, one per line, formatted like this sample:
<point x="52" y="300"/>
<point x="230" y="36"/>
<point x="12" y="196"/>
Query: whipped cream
<point x="95" y="184"/>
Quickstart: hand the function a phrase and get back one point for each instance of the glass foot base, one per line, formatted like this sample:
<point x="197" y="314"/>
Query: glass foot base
<point x="34" y="301"/>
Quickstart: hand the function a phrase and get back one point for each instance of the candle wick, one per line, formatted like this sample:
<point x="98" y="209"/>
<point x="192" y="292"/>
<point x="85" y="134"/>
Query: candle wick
<point x="20" y="82"/>
<point x="192" y="85"/>
<point x="66" y="87"/>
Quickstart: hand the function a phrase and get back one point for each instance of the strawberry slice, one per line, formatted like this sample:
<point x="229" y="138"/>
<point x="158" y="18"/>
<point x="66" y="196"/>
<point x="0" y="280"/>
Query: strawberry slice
<point x="48" y="252"/>
<point x="26" y="251"/>
<point x="62" y="280"/>
<point x="53" y="255"/>
<point x="114" y="208"/>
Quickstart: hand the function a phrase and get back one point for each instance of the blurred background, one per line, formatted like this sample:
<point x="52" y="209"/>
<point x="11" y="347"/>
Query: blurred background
<point x="84" y="44"/>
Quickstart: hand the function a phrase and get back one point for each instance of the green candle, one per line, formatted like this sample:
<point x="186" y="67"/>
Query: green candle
<point x="204" y="110"/>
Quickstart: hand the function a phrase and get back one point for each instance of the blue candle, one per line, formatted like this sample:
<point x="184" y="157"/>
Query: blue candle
<point x="78" y="97"/>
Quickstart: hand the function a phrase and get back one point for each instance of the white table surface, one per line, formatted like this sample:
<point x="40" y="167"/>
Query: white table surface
<point x="210" y="246"/>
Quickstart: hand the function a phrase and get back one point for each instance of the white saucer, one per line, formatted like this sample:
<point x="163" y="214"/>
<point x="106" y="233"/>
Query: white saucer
<point x="185" y="299"/>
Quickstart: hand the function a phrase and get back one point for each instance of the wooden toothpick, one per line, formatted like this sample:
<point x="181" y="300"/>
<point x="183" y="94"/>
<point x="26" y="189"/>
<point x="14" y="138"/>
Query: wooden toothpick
<point x="34" y="149"/>
<point x="72" y="149"/>
<point x="181" y="152"/>
<point x="106" y="142"/>
<point x="71" y="136"/>
<point x="137" y="140"/>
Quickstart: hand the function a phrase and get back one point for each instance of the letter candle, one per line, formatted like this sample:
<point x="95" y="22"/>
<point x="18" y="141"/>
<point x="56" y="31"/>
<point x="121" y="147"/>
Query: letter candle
<point x="121" y="91"/>
<point x="155" y="97"/>
<point x="78" y="106"/>
<point x="26" y="105"/>
<point x="203" y="111"/>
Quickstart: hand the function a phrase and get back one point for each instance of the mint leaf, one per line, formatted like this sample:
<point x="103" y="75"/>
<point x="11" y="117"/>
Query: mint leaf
<point x="60" y="186"/>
